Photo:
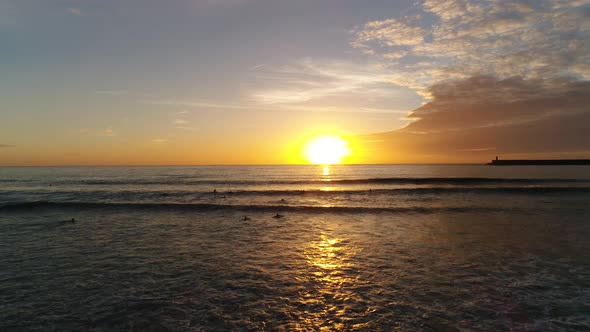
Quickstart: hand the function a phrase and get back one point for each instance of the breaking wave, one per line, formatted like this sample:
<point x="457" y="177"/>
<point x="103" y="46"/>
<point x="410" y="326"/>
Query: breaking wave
<point x="198" y="207"/>
<point x="367" y="181"/>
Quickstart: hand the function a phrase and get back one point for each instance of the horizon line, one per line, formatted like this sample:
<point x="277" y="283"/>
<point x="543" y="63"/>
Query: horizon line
<point x="213" y="165"/>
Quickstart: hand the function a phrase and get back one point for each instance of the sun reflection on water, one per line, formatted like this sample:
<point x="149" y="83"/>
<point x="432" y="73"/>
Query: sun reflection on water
<point x="325" y="255"/>
<point x="329" y="274"/>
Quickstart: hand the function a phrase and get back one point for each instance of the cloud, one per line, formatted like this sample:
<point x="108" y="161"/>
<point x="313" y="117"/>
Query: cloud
<point x="457" y="39"/>
<point x="509" y="116"/>
<point x="510" y="77"/>
<point x="327" y="85"/>
<point x="159" y="140"/>
<point x="180" y="121"/>
<point x="108" y="132"/>
<point x="7" y="146"/>
<point x="391" y="32"/>
<point x="254" y="106"/>
<point x="485" y="101"/>
<point x="307" y="79"/>
<point x="193" y="103"/>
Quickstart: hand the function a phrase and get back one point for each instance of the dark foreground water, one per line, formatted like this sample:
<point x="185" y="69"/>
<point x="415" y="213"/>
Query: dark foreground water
<point x="368" y="248"/>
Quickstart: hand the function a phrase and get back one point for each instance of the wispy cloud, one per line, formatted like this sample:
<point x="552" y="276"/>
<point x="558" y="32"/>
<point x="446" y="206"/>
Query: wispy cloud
<point x="307" y="80"/>
<point x="194" y="104"/>
<point x="159" y="140"/>
<point x="108" y="132"/>
<point x="7" y="146"/>
<point x="320" y="85"/>
<point x="250" y="105"/>
<point x="180" y="121"/>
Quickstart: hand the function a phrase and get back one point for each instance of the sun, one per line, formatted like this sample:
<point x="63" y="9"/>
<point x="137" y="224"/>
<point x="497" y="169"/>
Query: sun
<point x="326" y="150"/>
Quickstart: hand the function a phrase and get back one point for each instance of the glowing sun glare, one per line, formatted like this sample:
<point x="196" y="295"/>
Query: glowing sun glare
<point x="326" y="150"/>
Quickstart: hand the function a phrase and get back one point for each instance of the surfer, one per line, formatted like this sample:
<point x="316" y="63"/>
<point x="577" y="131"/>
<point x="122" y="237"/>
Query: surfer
<point x="277" y="216"/>
<point x="246" y="218"/>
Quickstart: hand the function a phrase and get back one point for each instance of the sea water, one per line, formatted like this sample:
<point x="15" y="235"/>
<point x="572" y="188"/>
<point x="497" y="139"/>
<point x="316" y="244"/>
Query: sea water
<point x="379" y="248"/>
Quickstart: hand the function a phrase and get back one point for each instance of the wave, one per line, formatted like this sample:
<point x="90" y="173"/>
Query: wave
<point x="161" y="194"/>
<point x="404" y="191"/>
<point x="365" y="181"/>
<point x="457" y="180"/>
<point x="14" y="180"/>
<point x="432" y="180"/>
<point x="201" y="207"/>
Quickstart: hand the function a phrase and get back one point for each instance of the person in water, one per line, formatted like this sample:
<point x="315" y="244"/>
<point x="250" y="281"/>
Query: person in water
<point x="278" y="216"/>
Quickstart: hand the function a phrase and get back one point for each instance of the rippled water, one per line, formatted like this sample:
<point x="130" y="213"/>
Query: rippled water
<point x="409" y="248"/>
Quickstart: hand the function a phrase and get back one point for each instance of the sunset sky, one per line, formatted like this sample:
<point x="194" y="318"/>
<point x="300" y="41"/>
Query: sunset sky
<point x="102" y="82"/>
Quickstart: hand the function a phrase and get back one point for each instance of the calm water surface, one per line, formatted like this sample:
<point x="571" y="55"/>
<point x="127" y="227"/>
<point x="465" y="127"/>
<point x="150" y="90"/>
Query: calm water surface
<point x="359" y="248"/>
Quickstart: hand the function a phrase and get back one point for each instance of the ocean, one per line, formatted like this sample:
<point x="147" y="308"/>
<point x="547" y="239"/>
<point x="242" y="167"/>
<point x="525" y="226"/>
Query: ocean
<point x="295" y="248"/>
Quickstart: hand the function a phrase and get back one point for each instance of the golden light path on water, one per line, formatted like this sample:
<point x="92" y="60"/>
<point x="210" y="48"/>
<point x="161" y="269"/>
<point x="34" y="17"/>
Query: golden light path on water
<point x="329" y="259"/>
<point x="326" y="177"/>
